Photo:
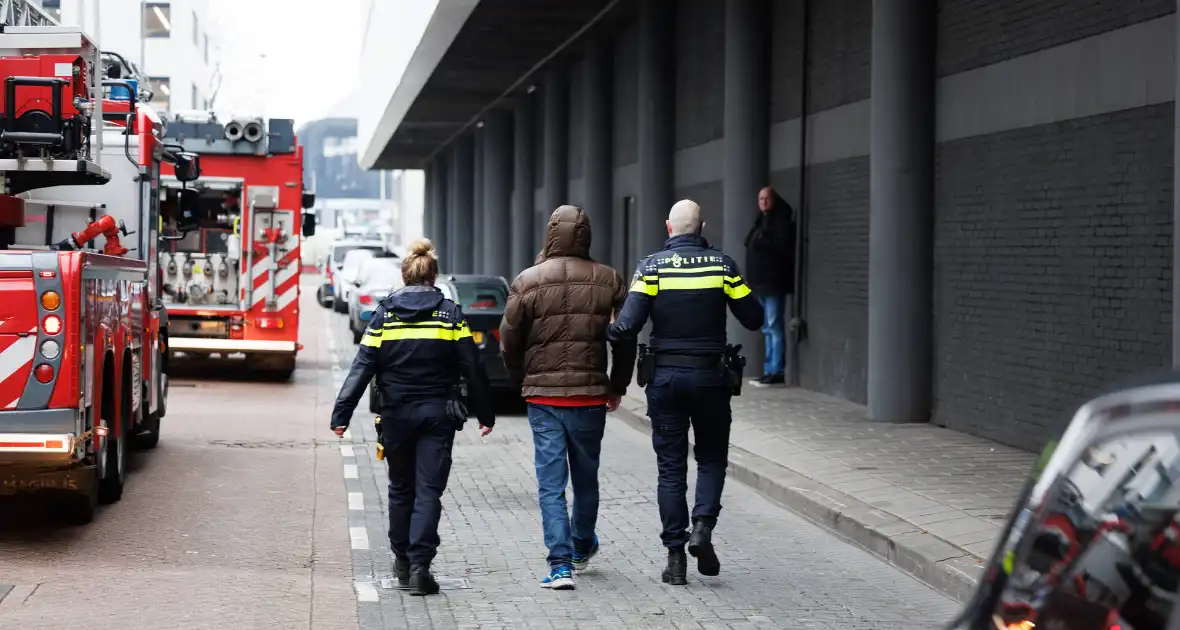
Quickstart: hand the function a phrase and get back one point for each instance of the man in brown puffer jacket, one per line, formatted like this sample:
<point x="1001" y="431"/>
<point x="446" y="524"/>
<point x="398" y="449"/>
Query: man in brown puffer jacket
<point x="554" y="336"/>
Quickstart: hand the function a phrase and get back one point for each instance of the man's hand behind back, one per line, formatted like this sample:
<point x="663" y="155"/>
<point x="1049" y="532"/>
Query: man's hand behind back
<point x="612" y="405"/>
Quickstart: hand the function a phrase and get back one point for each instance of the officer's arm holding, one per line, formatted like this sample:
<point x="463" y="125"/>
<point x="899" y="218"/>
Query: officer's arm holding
<point x="623" y="351"/>
<point x="637" y="308"/>
<point x="364" y="366"/>
<point x="475" y="376"/>
<point x="514" y="330"/>
<point x="742" y="302"/>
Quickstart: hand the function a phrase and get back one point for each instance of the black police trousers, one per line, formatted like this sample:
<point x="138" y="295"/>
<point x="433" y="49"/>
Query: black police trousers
<point x="418" y="441"/>
<point x="678" y="398"/>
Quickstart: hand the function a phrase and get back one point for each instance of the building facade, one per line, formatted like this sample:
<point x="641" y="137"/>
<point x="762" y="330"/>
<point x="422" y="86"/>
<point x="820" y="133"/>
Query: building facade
<point x="349" y="199"/>
<point x="174" y="42"/>
<point x="985" y="189"/>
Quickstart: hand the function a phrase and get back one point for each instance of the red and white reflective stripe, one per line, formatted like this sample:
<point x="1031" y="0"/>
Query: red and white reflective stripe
<point x="16" y="360"/>
<point x="35" y="443"/>
<point x="286" y="273"/>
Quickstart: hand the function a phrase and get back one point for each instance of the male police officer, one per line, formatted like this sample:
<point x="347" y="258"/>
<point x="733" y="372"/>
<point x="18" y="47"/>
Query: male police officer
<point x="685" y="288"/>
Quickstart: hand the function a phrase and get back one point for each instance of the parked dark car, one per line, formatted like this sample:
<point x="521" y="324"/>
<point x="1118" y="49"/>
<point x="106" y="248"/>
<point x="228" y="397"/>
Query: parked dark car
<point x="483" y="299"/>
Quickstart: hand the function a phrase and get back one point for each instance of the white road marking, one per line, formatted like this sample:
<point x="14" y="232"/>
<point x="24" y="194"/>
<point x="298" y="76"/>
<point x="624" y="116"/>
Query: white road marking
<point x="350" y="471"/>
<point x="359" y="536"/>
<point x="346" y="451"/>
<point x="356" y="501"/>
<point x="366" y="592"/>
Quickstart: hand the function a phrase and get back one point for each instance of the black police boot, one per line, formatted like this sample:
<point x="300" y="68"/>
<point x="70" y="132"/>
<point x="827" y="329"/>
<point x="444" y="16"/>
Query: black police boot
<point x="401" y="570"/>
<point x="700" y="545"/>
<point x="421" y="581"/>
<point x="676" y="573"/>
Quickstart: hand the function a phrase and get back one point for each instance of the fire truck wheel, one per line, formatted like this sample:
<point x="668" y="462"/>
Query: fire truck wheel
<point x="147" y="434"/>
<point x="112" y="461"/>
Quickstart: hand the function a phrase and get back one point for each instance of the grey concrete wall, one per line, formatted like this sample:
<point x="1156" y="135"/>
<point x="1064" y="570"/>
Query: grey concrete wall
<point x="577" y="148"/>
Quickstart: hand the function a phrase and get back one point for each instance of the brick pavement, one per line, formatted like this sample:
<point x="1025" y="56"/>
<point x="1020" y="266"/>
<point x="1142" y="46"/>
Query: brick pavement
<point x="930" y="500"/>
<point x="779" y="570"/>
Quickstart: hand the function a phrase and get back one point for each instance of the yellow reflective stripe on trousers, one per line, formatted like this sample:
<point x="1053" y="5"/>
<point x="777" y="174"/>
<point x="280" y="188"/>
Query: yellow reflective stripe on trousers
<point x="395" y="332"/>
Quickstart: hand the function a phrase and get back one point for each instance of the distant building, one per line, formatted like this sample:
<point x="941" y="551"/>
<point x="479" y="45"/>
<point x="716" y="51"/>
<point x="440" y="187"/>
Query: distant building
<point x="173" y="42"/>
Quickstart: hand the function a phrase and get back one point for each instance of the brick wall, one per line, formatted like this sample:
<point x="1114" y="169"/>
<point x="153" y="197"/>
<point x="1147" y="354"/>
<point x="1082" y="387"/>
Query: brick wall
<point x="700" y="72"/>
<point x="973" y="33"/>
<point x="1053" y="252"/>
<point x="786" y="51"/>
<point x="834" y="355"/>
<point x="839" y="52"/>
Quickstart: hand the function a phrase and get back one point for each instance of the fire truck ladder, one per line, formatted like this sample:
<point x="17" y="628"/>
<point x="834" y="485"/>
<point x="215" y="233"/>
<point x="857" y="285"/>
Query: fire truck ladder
<point x="23" y="13"/>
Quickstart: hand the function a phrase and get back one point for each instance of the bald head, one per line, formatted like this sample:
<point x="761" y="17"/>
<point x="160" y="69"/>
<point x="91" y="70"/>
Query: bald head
<point x="684" y="218"/>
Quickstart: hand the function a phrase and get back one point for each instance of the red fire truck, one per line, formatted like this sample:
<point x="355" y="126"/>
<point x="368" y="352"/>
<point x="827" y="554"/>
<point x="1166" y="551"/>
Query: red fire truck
<point x="231" y="287"/>
<point x="81" y="332"/>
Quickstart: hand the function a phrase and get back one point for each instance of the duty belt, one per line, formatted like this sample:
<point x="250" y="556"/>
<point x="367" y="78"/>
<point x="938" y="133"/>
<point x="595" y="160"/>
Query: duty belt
<point x="689" y="361"/>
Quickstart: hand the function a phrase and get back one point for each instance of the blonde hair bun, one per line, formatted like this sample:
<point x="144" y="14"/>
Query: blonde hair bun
<point x="422" y="247"/>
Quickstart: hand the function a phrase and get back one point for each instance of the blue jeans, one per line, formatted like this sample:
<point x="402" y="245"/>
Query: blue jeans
<point x="679" y="399"/>
<point x="773" y="306"/>
<point x="567" y="442"/>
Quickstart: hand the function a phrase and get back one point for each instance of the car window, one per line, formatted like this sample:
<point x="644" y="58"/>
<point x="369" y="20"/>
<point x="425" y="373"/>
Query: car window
<point x="383" y="272"/>
<point x="340" y="251"/>
<point x="480" y="295"/>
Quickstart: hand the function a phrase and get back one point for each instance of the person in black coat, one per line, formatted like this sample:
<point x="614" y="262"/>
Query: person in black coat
<point x="770" y="271"/>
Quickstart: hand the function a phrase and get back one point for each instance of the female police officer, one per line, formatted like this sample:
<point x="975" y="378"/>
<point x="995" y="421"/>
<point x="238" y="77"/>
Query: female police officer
<point x="417" y="345"/>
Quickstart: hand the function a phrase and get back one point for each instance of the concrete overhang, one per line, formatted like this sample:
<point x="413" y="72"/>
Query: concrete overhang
<point x="468" y="56"/>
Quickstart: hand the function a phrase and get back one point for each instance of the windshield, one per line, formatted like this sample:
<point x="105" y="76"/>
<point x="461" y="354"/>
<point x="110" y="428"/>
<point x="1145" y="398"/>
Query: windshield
<point x="340" y="251"/>
<point x="479" y="294"/>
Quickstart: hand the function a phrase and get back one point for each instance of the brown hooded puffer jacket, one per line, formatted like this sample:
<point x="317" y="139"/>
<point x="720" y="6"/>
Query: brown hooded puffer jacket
<point x="554" y="326"/>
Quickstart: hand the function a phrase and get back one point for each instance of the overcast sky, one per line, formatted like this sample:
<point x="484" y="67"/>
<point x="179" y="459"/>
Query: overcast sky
<point x="299" y="70"/>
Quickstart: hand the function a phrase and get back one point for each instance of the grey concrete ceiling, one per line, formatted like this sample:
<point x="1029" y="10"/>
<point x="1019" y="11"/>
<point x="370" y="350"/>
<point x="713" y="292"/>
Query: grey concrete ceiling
<point x="497" y="46"/>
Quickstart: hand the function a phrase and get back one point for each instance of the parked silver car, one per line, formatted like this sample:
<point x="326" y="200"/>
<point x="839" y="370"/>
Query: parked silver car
<point x="377" y="278"/>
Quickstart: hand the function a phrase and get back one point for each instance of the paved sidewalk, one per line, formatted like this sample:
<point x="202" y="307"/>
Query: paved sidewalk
<point x="929" y="500"/>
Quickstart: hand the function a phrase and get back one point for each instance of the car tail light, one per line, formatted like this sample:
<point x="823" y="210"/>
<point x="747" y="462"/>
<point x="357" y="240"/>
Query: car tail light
<point x="44" y="373"/>
<point x="496" y="334"/>
<point x="365" y="300"/>
<point x="50" y="300"/>
<point x="51" y="325"/>
<point x="269" y="322"/>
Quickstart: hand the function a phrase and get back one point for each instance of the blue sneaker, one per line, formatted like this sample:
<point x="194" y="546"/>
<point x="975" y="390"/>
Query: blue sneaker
<point x="583" y="559"/>
<point x="560" y="579"/>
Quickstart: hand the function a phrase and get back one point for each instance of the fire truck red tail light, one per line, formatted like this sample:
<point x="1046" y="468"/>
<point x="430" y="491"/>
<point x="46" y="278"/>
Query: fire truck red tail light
<point x="44" y="373"/>
<point x="51" y="325"/>
<point x="271" y="323"/>
<point x="496" y="334"/>
<point x="365" y="300"/>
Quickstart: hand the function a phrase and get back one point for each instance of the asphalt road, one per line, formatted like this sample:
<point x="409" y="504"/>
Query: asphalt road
<point x="250" y="514"/>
